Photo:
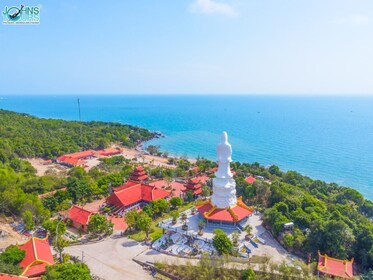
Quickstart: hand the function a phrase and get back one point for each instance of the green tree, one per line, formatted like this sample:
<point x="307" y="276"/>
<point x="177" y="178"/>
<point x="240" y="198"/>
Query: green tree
<point x="131" y="219"/>
<point x="12" y="255"/>
<point x="51" y="226"/>
<point x="99" y="225"/>
<point x="160" y="206"/>
<point x="248" y="274"/>
<point x="275" y="170"/>
<point x="59" y="245"/>
<point x="79" y="189"/>
<point x="201" y="224"/>
<point x="338" y="239"/>
<point x="189" y="196"/>
<point x="288" y="240"/>
<point x="206" y="191"/>
<point x="174" y="214"/>
<point x="221" y="242"/>
<point x="67" y="271"/>
<point x="28" y="219"/>
<point x="148" y="209"/>
<point x="144" y="223"/>
<point x="176" y="202"/>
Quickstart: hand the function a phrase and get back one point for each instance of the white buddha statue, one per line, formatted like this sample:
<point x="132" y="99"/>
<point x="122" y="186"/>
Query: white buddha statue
<point x="224" y="151"/>
<point x="224" y="186"/>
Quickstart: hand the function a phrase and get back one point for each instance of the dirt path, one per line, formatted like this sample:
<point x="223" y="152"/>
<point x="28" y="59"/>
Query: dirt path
<point x="9" y="236"/>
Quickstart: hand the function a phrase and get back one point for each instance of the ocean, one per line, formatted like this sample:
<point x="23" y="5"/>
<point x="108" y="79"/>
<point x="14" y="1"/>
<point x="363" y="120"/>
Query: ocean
<point x="327" y="138"/>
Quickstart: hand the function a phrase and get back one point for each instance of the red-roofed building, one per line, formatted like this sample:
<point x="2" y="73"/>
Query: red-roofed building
<point x="38" y="256"/>
<point x="108" y="152"/>
<point x="134" y="194"/>
<point x="138" y="175"/>
<point x="203" y="179"/>
<point x="335" y="267"/>
<point x="75" y="159"/>
<point x="177" y="188"/>
<point x="193" y="185"/>
<point x="79" y="217"/>
<point x="228" y="216"/>
<point x="250" y="179"/>
<point x="70" y="161"/>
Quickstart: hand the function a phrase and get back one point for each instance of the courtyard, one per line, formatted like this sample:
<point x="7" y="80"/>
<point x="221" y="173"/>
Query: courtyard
<point x="179" y="242"/>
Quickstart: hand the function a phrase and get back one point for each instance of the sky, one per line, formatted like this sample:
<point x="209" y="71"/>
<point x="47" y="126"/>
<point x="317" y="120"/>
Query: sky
<point x="190" y="47"/>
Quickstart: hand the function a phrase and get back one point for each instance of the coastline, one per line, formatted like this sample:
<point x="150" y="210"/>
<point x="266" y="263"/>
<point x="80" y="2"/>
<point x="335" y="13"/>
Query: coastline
<point x="365" y="189"/>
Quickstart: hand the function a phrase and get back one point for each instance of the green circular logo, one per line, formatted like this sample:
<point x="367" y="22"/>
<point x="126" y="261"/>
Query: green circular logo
<point x="14" y="13"/>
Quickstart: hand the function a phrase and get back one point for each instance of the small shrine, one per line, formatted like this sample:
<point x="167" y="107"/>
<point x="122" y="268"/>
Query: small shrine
<point x="335" y="267"/>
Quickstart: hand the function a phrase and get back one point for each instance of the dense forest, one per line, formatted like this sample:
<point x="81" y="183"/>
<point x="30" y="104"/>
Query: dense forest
<point x="28" y="136"/>
<point x="22" y="135"/>
<point x="328" y="218"/>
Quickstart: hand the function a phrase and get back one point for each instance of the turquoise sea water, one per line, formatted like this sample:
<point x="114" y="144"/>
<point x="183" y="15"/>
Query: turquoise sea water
<point x="328" y="138"/>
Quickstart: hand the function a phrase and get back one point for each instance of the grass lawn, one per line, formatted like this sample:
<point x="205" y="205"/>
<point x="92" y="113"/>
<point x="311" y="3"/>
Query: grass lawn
<point x="157" y="232"/>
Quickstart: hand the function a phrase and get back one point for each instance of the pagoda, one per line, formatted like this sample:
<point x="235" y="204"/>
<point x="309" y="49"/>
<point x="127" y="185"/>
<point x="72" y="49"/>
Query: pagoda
<point x="224" y="206"/>
<point x="138" y="175"/>
<point x="193" y="185"/>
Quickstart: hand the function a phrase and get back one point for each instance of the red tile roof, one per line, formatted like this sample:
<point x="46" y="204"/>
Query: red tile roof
<point x="38" y="256"/>
<point x="79" y="215"/>
<point x="233" y="214"/>
<point x="108" y="152"/>
<point x="81" y="155"/>
<point x="138" y="174"/>
<point x="197" y="191"/>
<point x="177" y="187"/>
<point x="201" y="179"/>
<point x="335" y="267"/>
<point x="250" y="179"/>
<point x="125" y="186"/>
<point x="71" y="161"/>
<point x="139" y="168"/>
<point x="133" y="192"/>
<point x="76" y="158"/>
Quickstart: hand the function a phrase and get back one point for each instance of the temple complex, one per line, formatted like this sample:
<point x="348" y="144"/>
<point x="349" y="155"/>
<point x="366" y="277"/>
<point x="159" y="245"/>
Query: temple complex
<point x="224" y="208"/>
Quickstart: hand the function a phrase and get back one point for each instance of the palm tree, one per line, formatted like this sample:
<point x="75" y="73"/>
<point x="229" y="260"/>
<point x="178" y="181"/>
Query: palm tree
<point x="201" y="225"/>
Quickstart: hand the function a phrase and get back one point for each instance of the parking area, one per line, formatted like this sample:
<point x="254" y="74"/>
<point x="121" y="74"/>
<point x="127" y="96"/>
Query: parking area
<point x="112" y="258"/>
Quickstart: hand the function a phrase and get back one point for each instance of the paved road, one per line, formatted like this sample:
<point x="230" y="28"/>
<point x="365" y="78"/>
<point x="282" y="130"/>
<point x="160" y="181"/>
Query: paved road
<point x="112" y="259"/>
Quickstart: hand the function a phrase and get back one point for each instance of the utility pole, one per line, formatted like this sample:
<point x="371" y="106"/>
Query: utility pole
<point x="80" y="127"/>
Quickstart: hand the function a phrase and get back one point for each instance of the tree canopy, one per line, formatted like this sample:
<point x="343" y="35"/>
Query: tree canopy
<point x="67" y="271"/>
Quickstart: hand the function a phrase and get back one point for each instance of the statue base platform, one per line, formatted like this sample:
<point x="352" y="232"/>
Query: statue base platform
<point x="228" y="216"/>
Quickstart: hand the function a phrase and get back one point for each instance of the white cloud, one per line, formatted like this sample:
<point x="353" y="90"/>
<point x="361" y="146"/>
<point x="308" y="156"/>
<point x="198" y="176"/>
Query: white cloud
<point x="212" y="7"/>
<point x="354" y="19"/>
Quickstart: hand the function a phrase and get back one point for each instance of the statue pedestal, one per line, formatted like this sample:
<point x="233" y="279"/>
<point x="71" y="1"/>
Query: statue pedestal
<point x="224" y="192"/>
